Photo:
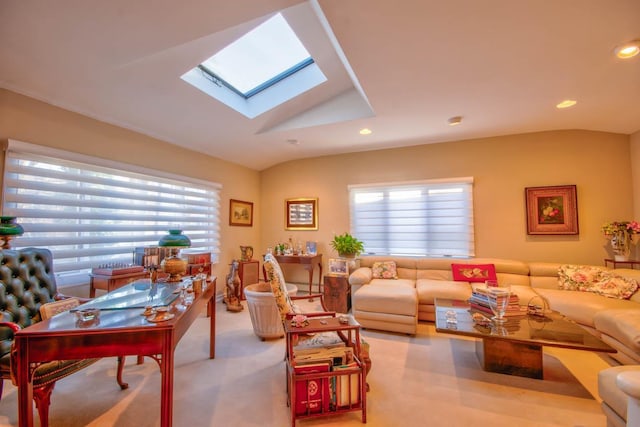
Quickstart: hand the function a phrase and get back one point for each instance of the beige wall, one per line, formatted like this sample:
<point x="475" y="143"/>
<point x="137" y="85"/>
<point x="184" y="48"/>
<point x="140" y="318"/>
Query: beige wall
<point x="598" y="163"/>
<point x="28" y="120"/>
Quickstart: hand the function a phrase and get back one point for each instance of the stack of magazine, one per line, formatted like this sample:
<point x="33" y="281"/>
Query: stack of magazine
<point x="480" y="298"/>
<point x="325" y="393"/>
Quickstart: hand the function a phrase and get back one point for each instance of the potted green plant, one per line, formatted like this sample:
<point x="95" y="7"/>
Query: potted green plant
<point x="346" y="245"/>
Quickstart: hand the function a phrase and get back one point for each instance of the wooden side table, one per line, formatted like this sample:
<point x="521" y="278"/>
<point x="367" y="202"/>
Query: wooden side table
<point x="351" y="397"/>
<point x="630" y="263"/>
<point x="337" y="293"/>
<point x="309" y="263"/>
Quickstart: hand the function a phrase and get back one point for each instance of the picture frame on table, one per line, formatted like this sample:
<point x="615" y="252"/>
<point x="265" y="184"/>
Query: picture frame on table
<point x="312" y="248"/>
<point x="552" y="210"/>
<point x="240" y="213"/>
<point x="338" y="267"/>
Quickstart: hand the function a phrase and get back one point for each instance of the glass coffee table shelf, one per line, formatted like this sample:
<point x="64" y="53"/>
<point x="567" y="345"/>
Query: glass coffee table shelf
<point x="139" y="294"/>
<point x="515" y="347"/>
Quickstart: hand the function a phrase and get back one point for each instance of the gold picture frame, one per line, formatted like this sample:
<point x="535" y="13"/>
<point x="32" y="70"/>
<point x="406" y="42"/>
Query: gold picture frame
<point x="301" y="214"/>
<point x="240" y="213"/>
<point x="552" y="210"/>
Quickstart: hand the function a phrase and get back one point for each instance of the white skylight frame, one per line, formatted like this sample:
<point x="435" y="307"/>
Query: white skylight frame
<point x="274" y="85"/>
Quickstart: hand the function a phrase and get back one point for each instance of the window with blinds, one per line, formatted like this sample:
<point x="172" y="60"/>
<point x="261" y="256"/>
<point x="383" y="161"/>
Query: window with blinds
<point x="89" y="214"/>
<point x="429" y="218"/>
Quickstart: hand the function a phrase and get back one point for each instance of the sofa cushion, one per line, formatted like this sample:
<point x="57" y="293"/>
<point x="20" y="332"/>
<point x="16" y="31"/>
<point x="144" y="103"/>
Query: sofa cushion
<point x="386" y="299"/>
<point x="429" y="289"/>
<point x="384" y="270"/>
<point x="473" y="272"/>
<point x="582" y="306"/>
<point x="622" y="324"/>
<point x="405" y="283"/>
<point x="588" y="278"/>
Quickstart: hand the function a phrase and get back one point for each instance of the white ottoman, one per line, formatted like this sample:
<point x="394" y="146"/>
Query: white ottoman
<point x="390" y="308"/>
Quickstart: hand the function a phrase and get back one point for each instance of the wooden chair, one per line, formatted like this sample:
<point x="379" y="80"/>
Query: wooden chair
<point x="28" y="289"/>
<point x="288" y="308"/>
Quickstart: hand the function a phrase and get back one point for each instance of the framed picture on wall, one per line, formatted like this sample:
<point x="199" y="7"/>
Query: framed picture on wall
<point x="552" y="210"/>
<point x="301" y="214"/>
<point x="240" y="213"/>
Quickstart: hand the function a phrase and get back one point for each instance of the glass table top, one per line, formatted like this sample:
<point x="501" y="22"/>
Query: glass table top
<point x="553" y="329"/>
<point x="139" y="294"/>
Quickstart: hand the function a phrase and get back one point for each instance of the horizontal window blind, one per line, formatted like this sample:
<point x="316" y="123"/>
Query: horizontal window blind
<point x="429" y="218"/>
<point x="88" y="214"/>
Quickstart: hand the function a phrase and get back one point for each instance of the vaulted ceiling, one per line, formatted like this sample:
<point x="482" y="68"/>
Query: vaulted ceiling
<point x="399" y="68"/>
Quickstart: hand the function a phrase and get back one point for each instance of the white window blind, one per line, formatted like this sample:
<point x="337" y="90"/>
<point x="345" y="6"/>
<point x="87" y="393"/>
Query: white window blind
<point x="89" y="214"/>
<point x="428" y="218"/>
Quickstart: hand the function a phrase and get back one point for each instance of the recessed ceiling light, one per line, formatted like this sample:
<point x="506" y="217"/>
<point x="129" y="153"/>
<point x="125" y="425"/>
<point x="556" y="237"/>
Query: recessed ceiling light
<point x="454" y="121"/>
<point x="567" y="103"/>
<point x="365" y="131"/>
<point x="628" y="50"/>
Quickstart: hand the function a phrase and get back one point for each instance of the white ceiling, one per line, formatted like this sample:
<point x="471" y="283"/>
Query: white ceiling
<point x="501" y="64"/>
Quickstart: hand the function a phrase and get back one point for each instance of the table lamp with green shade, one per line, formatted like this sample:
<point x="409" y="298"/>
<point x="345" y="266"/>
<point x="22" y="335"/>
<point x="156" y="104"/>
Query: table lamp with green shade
<point x="9" y="229"/>
<point x="172" y="265"/>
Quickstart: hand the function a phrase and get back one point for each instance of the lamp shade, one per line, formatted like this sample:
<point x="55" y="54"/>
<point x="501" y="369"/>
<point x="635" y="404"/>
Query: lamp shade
<point x="9" y="226"/>
<point x="175" y="238"/>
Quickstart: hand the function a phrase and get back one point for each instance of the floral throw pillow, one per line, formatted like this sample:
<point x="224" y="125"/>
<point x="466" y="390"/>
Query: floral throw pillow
<point x="384" y="270"/>
<point x="473" y="272"/>
<point x="593" y="279"/>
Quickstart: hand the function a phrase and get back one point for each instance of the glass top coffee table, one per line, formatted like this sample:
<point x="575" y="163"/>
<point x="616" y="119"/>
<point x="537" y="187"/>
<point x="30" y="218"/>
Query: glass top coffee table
<point x="515" y="347"/>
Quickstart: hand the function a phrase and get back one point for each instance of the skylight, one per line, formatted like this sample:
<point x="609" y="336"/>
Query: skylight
<point x="266" y="67"/>
<point x="260" y="58"/>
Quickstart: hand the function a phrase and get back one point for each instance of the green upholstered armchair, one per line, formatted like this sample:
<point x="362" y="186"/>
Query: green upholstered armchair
<point x="26" y="283"/>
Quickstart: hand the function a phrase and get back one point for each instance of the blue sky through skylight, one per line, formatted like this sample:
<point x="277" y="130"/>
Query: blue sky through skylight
<point x="261" y="57"/>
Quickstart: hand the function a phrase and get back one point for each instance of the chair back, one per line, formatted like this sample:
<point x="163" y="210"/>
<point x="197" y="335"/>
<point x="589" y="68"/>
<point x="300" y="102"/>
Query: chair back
<point x="278" y="286"/>
<point x="26" y="282"/>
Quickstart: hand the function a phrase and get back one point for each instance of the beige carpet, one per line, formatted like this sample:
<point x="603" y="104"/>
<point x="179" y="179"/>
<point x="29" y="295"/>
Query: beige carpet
<point x="430" y="379"/>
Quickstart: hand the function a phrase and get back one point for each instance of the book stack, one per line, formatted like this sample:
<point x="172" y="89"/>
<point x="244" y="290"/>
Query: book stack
<point x="480" y="299"/>
<point x="339" y="388"/>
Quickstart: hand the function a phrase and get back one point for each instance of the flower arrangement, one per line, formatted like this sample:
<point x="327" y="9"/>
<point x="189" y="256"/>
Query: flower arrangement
<point x="611" y="228"/>
<point x="620" y="233"/>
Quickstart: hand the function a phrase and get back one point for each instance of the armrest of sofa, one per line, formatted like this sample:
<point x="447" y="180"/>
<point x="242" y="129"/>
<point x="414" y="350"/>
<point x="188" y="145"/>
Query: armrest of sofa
<point x="629" y="383"/>
<point x="361" y="276"/>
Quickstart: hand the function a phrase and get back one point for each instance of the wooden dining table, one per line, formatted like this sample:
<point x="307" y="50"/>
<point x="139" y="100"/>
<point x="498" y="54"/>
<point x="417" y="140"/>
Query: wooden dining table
<point x="120" y="330"/>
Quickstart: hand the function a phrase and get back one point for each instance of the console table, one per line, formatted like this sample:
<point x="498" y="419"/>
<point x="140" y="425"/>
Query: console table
<point x="630" y="263"/>
<point x="309" y="263"/>
<point x="121" y="331"/>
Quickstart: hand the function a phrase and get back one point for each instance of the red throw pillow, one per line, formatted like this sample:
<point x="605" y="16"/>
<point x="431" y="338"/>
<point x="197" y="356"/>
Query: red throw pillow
<point x="473" y="272"/>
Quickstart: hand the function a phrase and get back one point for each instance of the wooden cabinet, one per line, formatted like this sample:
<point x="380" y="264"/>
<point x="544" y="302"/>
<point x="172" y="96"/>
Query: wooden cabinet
<point x="337" y="293"/>
<point x="249" y="273"/>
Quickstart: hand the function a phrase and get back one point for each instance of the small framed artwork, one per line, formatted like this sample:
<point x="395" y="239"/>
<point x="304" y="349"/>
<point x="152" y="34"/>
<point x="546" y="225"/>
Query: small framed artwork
<point x="301" y="214"/>
<point x="338" y="267"/>
<point x="240" y="213"/>
<point x="312" y="248"/>
<point x="552" y="210"/>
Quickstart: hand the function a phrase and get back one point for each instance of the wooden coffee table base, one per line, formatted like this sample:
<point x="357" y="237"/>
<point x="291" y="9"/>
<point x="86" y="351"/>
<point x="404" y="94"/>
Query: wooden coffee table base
<point x="509" y="357"/>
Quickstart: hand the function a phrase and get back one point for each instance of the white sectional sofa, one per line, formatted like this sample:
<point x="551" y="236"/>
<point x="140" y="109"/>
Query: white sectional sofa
<point x="397" y="305"/>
